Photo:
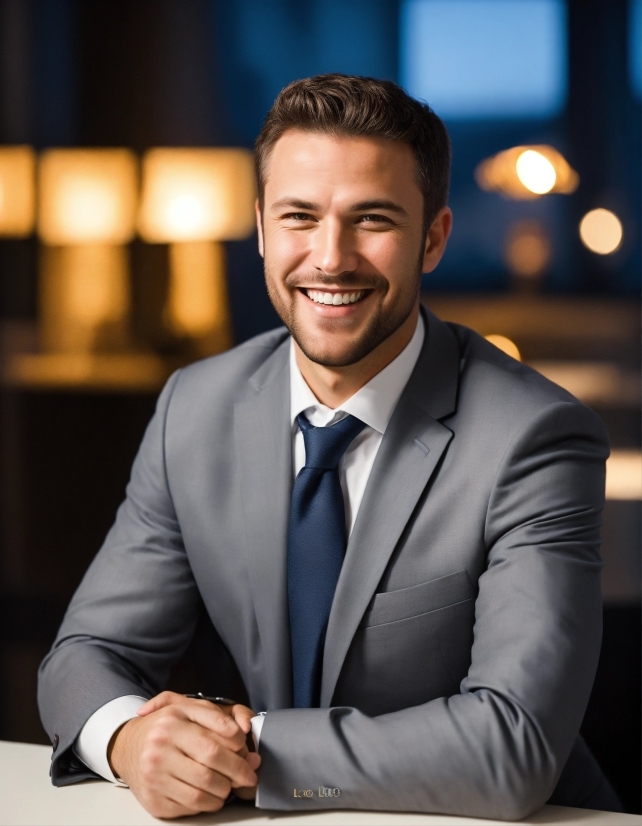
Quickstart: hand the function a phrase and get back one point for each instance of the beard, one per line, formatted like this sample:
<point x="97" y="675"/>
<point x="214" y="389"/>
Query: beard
<point x="381" y="324"/>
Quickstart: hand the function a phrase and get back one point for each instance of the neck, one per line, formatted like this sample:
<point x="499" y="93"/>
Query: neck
<point x="334" y="385"/>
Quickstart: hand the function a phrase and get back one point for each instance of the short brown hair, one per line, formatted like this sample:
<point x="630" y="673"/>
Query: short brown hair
<point x="362" y="106"/>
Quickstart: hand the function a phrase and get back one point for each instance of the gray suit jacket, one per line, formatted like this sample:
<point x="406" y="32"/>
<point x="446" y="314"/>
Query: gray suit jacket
<point x="465" y="630"/>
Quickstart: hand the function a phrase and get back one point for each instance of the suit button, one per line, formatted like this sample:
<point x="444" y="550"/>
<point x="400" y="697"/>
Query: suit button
<point x="56" y="740"/>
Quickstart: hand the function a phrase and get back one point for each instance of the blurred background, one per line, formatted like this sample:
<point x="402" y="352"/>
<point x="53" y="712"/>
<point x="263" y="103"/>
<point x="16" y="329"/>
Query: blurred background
<point x="127" y="249"/>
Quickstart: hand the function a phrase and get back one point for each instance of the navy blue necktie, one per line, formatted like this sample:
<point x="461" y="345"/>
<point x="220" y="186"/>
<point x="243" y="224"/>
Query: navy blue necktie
<point x="316" y="547"/>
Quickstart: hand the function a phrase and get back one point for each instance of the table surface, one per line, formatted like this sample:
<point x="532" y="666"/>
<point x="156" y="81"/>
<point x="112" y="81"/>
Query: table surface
<point x="27" y="797"/>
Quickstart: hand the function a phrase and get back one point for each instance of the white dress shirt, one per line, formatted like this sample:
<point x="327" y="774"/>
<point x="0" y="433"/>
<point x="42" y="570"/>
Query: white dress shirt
<point x="373" y="404"/>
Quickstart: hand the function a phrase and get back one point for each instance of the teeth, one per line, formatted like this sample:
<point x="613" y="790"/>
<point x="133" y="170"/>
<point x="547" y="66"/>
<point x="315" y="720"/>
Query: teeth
<point x="334" y="298"/>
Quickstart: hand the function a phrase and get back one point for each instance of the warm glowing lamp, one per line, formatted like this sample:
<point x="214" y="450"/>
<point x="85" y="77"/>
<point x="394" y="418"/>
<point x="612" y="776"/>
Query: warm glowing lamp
<point x="193" y="199"/>
<point x="17" y="191"/>
<point x="527" y="172"/>
<point x="86" y="213"/>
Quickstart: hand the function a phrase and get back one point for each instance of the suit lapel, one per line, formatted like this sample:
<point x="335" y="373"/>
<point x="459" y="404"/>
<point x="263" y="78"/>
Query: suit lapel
<point x="410" y="451"/>
<point x="263" y="447"/>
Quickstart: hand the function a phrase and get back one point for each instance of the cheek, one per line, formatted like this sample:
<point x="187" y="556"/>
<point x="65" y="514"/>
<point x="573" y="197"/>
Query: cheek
<point x="391" y="256"/>
<point x="284" y="250"/>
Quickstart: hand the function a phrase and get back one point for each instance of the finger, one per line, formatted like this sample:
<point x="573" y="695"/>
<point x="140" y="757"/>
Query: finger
<point x="243" y="716"/>
<point x="190" y="798"/>
<point x="213" y="752"/>
<point x="253" y="760"/>
<point x="244" y="793"/>
<point x="212" y="718"/>
<point x="206" y="714"/>
<point x="193" y="773"/>
<point x="162" y="700"/>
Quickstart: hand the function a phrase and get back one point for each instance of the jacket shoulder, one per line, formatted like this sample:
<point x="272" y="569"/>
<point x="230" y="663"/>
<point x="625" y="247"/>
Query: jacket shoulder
<point x="233" y="367"/>
<point x="507" y="391"/>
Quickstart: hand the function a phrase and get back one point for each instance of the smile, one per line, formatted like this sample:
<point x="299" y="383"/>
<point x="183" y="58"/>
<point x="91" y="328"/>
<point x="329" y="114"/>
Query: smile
<point x="320" y="297"/>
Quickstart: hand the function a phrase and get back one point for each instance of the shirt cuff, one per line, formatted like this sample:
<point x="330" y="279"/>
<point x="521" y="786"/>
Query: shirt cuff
<point x="257" y="725"/>
<point x="93" y="741"/>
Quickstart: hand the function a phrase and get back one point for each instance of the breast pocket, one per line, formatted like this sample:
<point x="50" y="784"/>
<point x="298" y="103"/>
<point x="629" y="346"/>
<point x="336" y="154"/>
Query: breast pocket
<point x="406" y="603"/>
<point x="413" y="645"/>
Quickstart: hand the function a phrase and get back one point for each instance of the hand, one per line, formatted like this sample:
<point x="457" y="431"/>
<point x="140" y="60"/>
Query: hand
<point x="183" y="756"/>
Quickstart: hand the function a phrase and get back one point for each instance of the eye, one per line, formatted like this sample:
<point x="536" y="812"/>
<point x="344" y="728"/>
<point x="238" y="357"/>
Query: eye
<point x="298" y="216"/>
<point x="374" y="218"/>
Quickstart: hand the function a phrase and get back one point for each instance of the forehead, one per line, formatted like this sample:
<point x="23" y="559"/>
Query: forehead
<point x="313" y="160"/>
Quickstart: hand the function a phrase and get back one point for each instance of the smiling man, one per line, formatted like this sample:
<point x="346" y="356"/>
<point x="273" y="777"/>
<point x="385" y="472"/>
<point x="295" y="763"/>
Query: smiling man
<point x="393" y="526"/>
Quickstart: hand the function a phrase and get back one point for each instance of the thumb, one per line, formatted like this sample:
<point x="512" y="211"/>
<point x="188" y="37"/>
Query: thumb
<point x="165" y="698"/>
<point x="242" y="716"/>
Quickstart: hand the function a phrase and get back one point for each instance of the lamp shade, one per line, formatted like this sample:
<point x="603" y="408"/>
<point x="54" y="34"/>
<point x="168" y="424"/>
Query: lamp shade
<point x="87" y="196"/>
<point x="197" y="195"/>
<point x="527" y="172"/>
<point x="17" y="190"/>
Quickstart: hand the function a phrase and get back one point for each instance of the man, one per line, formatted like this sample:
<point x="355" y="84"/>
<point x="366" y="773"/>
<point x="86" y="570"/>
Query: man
<point x="394" y="527"/>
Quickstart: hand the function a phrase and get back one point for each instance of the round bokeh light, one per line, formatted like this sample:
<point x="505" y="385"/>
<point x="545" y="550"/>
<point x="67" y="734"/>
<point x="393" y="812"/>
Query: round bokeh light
<point x="601" y="231"/>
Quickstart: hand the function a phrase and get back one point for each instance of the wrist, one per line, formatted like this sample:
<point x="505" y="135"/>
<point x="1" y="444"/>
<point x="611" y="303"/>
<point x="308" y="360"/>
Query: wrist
<point x="120" y="747"/>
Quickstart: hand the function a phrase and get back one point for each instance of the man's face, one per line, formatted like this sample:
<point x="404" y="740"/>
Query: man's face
<point x="341" y="235"/>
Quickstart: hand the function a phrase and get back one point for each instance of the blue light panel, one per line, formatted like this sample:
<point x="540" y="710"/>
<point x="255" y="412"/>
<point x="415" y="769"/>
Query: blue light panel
<point x="485" y="58"/>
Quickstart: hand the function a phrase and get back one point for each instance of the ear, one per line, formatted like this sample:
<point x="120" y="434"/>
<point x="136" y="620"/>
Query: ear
<point x="259" y="226"/>
<point x="437" y="238"/>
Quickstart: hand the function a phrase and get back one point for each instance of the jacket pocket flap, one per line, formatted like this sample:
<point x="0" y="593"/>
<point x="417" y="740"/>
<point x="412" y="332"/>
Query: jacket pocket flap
<point x="405" y="603"/>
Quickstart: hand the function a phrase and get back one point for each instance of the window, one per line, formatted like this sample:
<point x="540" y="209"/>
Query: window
<point x="474" y="59"/>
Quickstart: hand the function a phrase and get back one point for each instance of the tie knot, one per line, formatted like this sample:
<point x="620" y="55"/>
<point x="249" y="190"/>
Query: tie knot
<point x="324" y="446"/>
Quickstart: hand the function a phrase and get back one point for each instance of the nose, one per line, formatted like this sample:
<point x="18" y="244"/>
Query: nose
<point x="333" y="251"/>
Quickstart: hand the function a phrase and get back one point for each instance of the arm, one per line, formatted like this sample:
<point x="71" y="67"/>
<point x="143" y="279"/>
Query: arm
<point x="129" y="621"/>
<point x="497" y="748"/>
<point x="133" y="614"/>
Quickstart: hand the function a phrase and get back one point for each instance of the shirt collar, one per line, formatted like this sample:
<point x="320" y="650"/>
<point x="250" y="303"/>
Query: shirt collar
<point x="373" y="404"/>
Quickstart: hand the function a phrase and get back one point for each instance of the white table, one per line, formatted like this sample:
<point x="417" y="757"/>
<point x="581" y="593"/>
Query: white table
<point x="27" y="798"/>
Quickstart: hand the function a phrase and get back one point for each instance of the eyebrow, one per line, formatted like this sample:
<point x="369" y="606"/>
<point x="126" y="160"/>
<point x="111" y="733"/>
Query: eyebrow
<point x="378" y="203"/>
<point x="361" y="206"/>
<point x="297" y="203"/>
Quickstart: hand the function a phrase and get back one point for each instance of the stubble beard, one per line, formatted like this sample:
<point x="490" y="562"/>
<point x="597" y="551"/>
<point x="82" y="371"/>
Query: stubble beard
<point x="380" y="326"/>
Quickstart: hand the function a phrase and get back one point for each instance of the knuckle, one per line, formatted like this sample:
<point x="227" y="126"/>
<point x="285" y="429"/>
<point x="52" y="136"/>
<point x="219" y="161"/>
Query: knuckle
<point x="212" y="751"/>
<point x="163" y="727"/>
<point x="202" y="776"/>
<point x="147" y="769"/>
<point x="224" y="787"/>
<point x="156" y="740"/>
<point x="196" y="799"/>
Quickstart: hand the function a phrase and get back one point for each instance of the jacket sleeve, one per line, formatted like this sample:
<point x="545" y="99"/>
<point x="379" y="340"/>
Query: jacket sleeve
<point x="496" y="749"/>
<point x="132" y="615"/>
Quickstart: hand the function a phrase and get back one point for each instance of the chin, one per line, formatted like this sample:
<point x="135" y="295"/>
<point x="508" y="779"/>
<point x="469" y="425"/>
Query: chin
<point x="333" y="356"/>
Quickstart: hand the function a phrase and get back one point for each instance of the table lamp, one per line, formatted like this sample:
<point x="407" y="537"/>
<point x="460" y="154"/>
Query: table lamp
<point x="527" y="172"/>
<point x="193" y="199"/>
<point x="86" y="214"/>
<point x="17" y="191"/>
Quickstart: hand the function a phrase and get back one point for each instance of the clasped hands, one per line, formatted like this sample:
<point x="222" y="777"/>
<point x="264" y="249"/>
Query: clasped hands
<point x="181" y="756"/>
